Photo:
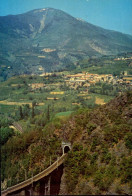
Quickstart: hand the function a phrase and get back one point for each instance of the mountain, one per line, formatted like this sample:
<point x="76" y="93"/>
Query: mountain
<point x="49" y="39"/>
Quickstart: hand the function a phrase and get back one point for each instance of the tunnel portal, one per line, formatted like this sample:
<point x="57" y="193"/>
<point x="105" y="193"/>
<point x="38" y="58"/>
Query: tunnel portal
<point x="66" y="147"/>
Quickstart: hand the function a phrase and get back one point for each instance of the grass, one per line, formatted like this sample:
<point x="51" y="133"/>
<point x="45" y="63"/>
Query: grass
<point x="7" y="108"/>
<point x="99" y="101"/>
<point x="105" y="98"/>
<point x="16" y="92"/>
<point x="63" y="114"/>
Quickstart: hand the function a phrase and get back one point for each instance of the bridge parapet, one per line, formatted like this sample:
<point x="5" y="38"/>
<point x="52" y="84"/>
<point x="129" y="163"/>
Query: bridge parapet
<point x="36" y="178"/>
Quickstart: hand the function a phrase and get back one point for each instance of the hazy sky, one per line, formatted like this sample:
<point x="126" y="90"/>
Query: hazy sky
<point x="110" y="14"/>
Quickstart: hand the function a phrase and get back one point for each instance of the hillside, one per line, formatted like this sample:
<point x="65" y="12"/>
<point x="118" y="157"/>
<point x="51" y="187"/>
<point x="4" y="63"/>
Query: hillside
<point x="49" y="39"/>
<point x="100" y="160"/>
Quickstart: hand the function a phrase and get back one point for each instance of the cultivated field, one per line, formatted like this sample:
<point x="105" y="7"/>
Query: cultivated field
<point x="5" y="102"/>
<point x="99" y="101"/>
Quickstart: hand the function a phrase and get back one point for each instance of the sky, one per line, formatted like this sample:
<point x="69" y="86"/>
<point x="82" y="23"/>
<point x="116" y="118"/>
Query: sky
<point x="109" y="14"/>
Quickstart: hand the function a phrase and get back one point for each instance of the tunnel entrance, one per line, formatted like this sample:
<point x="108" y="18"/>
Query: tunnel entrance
<point x="66" y="146"/>
<point x="66" y="149"/>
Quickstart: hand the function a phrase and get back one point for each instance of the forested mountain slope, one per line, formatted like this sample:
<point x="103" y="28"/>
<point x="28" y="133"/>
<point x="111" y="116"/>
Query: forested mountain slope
<point x="100" y="159"/>
<point x="51" y="39"/>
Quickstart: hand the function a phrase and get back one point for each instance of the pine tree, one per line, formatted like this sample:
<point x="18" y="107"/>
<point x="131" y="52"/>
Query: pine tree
<point x="48" y="113"/>
<point x="20" y="112"/>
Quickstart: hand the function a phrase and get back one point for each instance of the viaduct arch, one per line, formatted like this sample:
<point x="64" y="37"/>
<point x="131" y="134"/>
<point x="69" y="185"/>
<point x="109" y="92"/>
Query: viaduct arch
<point x="47" y="178"/>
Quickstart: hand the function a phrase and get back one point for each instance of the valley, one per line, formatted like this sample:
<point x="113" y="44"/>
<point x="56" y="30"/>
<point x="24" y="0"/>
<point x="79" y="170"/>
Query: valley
<point x="65" y="87"/>
<point x="58" y="94"/>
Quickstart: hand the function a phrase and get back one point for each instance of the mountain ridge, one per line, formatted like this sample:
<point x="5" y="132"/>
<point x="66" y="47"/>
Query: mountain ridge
<point x="26" y="35"/>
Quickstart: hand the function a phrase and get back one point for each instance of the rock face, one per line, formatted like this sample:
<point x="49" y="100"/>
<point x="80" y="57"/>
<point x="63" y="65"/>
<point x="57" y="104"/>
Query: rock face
<point x="25" y="37"/>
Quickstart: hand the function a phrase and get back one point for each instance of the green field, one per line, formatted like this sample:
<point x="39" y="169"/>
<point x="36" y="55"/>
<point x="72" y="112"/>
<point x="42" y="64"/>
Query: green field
<point x="18" y="91"/>
<point x="63" y="114"/>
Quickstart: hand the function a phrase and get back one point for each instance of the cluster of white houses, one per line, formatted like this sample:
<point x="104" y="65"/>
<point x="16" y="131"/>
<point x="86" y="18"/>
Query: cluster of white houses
<point x="86" y="79"/>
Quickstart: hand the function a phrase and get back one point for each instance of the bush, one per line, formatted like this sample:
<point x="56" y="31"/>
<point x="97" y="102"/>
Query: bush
<point x="94" y="158"/>
<point x="128" y="140"/>
<point x="106" y="156"/>
<point x="126" y="170"/>
<point x="94" y="144"/>
<point x="91" y="127"/>
<point x="102" y="180"/>
<point x="76" y="165"/>
<point x="5" y="133"/>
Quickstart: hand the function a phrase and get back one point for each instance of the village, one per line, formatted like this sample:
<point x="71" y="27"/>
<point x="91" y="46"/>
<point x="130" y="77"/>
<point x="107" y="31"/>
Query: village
<point x="86" y="80"/>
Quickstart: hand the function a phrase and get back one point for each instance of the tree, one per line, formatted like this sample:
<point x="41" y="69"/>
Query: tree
<point x="6" y="133"/>
<point x="20" y="112"/>
<point x="48" y="113"/>
<point x="33" y="105"/>
<point x="26" y="110"/>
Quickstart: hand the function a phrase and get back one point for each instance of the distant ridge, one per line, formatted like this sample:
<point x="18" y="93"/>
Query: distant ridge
<point x="24" y="38"/>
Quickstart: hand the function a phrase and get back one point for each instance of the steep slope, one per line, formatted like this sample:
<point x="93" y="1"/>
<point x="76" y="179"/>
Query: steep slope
<point x="52" y="39"/>
<point x="100" y="160"/>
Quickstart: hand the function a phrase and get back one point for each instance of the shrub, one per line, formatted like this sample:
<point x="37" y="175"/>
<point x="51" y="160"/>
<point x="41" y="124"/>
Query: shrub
<point x="126" y="170"/>
<point x="5" y="133"/>
<point x="91" y="127"/>
<point x="94" y="144"/>
<point x="128" y="140"/>
<point x="106" y="156"/>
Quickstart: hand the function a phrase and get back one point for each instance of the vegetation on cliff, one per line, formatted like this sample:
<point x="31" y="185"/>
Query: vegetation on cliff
<point x="100" y="160"/>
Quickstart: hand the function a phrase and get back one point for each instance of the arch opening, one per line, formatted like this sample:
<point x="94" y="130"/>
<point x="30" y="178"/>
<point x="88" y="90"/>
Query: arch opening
<point x="66" y="149"/>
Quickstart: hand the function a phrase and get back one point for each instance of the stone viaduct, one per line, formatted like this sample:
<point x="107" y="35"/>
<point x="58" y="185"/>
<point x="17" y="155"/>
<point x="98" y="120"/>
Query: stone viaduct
<point x="45" y="183"/>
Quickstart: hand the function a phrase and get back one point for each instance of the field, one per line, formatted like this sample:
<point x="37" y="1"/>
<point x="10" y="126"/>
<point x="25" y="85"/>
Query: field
<point x="60" y="114"/>
<point x="99" y="101"/>
<point x="5" y="102"/>
<point x="50" y="90"/>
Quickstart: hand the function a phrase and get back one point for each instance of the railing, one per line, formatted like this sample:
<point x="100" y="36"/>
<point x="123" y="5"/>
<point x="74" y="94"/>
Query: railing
<point x="16" y="125"/>
<point x="37" y="177"/>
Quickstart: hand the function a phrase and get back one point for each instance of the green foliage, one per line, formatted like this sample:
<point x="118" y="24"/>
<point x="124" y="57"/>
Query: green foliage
<point x="95" y="143"/>
<point x="77" y="147"/>
<point x="5" y="131"/>
<point x="106" y="155"/>
<point x="104" y="88"/>
<point x="94" y="158"/>
<point x="104" y="177"/>
<point x="128" y="140"/>
<point x="26" y="110"/>
<point x="126" y="170"/>
<point x="97" y="154"/>
<point x="117" y="131"/>
<point x="77" y="164"/>
<point x="91" y="127"/>
<point x="27" y="152"/>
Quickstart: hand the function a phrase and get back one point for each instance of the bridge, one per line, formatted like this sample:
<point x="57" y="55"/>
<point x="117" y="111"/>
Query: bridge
<point x="16" y="125"/>
<point x="47" y="179"/>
